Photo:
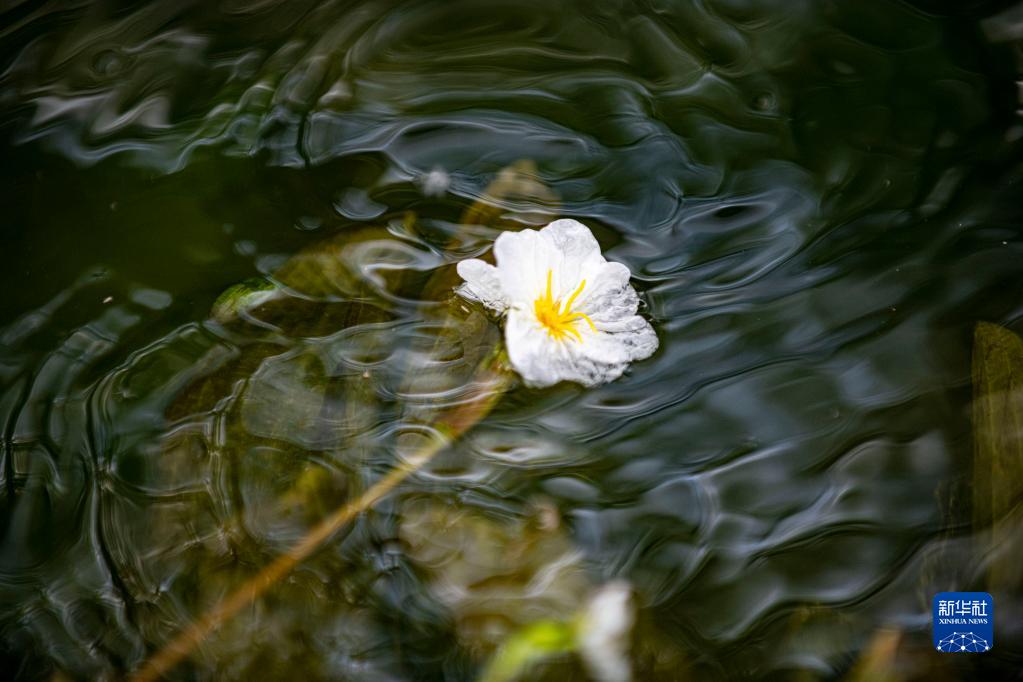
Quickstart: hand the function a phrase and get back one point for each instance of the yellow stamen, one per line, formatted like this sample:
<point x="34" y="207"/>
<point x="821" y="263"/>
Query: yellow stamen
<point x="560" y="320"/>
<point x="571" y="299"/>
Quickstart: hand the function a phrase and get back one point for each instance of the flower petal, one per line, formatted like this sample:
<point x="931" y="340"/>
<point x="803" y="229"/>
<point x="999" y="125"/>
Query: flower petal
<point x="566" y="248"/>
<point x="482" y="284"/>
<point x="578" y="254"/>
<point x="599" y="357"/>
<point x="608" y="296"/>
<point x="622" y="341"/>
<point x="604" y="634"/>
<point x="523" y="259"/>
<point x="531" y="350"/>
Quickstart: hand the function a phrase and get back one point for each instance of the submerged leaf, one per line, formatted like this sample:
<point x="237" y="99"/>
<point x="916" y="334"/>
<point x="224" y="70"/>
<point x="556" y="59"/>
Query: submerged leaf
<point x="242" y="297"/>
<point x="997" y="432"/>
<point x="495" y="575"/>
<point x="516" y="189"/>
<point x="368" y="264"/>
<point x="528" y="647"/>
<point x="277" y="429"/>
<point x="600" y="634"/>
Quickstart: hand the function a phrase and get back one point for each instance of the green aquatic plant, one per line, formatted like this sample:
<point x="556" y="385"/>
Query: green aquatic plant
<point x="242" y="297"/>
<point x="491" y="381"/>
<point x="480" y="566"/>
<point x="599" y="634"/>
<point x="529" y="647"/>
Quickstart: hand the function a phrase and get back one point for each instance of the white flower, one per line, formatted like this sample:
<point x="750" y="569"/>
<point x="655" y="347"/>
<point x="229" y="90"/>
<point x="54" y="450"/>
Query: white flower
<point x="571" y="315"/>
<point x="605" y="633"/>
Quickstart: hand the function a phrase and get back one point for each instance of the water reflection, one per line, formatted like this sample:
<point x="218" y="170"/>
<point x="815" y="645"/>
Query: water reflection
<point x="816" y="199"/>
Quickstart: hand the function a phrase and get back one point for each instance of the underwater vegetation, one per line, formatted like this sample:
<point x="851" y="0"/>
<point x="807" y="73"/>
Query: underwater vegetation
<point x="465" y="340"/>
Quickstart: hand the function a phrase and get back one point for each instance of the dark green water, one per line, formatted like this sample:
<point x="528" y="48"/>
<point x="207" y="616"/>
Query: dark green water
<point x="818" y="200"/>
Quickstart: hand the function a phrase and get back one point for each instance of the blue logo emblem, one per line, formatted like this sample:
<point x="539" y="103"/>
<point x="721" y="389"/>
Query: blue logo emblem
<point x="963" y="622"/>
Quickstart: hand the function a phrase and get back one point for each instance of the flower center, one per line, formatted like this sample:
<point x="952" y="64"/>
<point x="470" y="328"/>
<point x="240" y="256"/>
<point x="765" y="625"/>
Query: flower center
<point x="560" y="320"/>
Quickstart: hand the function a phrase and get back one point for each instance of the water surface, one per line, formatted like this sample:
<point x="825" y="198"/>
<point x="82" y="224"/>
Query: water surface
<point x="819" y="201"/>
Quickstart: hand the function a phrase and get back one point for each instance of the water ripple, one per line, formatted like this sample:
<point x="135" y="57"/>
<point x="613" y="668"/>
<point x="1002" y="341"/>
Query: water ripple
<point x="221" y="322"/>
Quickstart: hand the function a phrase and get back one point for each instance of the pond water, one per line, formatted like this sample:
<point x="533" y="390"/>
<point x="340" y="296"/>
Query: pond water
<point x="818" y="200"/>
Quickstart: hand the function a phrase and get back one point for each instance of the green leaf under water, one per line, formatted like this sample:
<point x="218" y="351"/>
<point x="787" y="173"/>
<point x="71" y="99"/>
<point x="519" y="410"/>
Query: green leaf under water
<point x="528" y="647"/>
<point x="243" y="296"/>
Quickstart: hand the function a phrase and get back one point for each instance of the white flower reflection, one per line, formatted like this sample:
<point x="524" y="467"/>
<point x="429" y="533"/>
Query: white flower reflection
<point x="571" y="315"/>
